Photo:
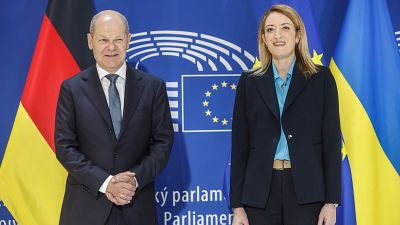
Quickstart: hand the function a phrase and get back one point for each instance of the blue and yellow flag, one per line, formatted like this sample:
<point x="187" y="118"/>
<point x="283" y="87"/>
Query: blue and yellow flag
<point x="366" y="67"/>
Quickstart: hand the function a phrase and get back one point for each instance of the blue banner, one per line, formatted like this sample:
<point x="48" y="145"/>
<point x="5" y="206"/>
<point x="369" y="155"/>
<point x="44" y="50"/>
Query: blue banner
<point x="200" y="48"/>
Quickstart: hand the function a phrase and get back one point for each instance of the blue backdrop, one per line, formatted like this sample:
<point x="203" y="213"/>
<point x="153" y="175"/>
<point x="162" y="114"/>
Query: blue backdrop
<point x="199" y="48"/>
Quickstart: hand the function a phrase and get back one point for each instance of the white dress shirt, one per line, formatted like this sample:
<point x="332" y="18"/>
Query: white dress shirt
<point x="120" y="83"/>
<point x="105" y="83"/>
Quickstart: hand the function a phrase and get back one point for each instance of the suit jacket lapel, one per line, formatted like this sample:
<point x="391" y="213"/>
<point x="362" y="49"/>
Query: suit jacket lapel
<point x="266" y="86"/>
<point x="296" y="85"/>
<point x="94" y="91"/>
<point x="133" y="93"/>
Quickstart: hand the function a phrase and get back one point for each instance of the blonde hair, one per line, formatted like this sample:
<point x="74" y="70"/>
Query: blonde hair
<point x="303" y="58"/>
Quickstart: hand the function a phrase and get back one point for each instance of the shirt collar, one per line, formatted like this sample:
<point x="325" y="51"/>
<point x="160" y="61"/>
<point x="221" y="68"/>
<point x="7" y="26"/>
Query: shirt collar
<point x="290" y="71"/>
<point x="120" y="72"/>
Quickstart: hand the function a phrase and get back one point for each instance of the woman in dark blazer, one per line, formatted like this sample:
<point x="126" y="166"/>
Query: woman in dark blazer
<point x="286" y="159"/>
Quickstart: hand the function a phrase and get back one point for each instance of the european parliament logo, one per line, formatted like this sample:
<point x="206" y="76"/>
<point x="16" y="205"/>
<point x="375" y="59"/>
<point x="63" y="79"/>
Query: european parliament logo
<point x="201" y="101"/>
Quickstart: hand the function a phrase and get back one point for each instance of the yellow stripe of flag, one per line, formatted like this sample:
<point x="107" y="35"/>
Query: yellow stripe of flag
<point x="30" y="164"/>
<point x="375" y="181"/>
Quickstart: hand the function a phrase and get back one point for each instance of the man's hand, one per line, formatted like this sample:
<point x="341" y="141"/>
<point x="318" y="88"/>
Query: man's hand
<point x="121" y="188"/>
<point x="239" y="217"/>
<point x="327" y="216"/>
<point x="127" y="177"/>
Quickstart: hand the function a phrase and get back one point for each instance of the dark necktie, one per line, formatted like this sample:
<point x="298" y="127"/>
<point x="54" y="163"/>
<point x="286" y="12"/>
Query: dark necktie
<point x="114" y="103"/>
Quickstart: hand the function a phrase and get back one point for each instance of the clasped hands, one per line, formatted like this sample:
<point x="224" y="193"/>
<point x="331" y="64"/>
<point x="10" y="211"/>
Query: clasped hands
<point x="121" y="188"/>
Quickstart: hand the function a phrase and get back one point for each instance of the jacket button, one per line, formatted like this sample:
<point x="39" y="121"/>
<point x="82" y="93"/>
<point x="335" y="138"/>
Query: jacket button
<point x="290" y="136"/>
<point x="86" y="188"/>
<point x="275" y="140"/>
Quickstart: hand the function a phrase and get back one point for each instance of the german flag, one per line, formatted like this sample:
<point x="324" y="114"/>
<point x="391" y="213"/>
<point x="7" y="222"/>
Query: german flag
<point x="32" y="181"/>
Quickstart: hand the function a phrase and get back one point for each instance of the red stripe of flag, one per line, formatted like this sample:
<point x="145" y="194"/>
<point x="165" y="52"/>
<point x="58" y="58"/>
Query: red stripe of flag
<point x="60" y="49"/>
<point x="51" y="64"/>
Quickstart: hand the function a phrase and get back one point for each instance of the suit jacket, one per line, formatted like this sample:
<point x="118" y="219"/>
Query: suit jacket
<point x="310" y="121"/>
<point x="88" y="149"/>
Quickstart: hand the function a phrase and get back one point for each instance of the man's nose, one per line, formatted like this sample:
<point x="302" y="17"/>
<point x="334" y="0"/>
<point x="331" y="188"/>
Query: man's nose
<point x="111" y="46"/>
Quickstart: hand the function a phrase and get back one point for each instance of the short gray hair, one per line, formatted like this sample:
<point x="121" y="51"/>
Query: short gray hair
<point x="105" y="12"/>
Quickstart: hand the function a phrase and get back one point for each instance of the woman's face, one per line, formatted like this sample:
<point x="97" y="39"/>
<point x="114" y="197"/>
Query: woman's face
<point x="280" y="36"/>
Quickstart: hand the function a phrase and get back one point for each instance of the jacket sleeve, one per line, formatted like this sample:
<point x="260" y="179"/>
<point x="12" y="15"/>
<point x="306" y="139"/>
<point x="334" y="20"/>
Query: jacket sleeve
<point x="240" y="144"/>
<point x="331" y="139"/>
<point x="78" y="166"/>
<point x="161" y="139"/>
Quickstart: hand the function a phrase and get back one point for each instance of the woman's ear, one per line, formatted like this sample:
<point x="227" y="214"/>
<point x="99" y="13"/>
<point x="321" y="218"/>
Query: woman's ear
<point x="263" y="38"/>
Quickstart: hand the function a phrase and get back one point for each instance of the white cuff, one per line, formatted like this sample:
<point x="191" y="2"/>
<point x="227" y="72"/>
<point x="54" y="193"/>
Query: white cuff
<point x="103" y="187"/>
<point x="137" y="184"/>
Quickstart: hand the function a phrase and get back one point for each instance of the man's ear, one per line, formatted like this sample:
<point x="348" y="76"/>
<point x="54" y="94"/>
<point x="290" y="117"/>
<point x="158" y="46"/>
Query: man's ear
<point x="90" y="41"/>
<point x="128" y="40"/>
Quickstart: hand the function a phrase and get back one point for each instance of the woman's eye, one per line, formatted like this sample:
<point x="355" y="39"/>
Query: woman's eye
<point x="269" y="30"/>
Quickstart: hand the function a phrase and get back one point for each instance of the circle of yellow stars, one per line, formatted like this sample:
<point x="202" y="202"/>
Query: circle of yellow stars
<point x="206" y="102"/>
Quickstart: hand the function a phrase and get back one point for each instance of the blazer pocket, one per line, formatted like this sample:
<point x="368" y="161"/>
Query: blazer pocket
<point x="74" y="183"/>
<point x="317" y="150"/>
<point x="319" y="142"/>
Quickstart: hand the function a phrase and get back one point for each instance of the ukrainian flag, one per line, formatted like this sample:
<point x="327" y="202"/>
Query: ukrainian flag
<point x="366" y="66"/>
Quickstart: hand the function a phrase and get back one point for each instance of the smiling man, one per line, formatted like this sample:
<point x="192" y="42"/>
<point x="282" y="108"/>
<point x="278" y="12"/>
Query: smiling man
<point x="113" y="133"/>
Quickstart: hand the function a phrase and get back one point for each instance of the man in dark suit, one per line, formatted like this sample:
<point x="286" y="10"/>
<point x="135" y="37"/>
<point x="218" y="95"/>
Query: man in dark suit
<point x="113" y="133"/>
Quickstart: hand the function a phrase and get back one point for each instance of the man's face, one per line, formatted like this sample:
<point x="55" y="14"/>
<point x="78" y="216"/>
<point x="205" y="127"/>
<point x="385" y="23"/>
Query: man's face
<point x="109" y="42"/>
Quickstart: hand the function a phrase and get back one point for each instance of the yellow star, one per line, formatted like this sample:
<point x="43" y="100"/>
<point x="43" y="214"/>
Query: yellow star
<point x="257" y="63"/>
<point x="208" y="94"/>
<point x="344" y="152"/>
<point x="214" y="87"/>
<point x="224" y="84"/>
<point x="205" y="103"/>
<point x="208" y="112"/>
<point x="317" y="58"/>
<point x="233" y="86"/>
<point x="224" y="122"/>
<point x="215" y="119"/>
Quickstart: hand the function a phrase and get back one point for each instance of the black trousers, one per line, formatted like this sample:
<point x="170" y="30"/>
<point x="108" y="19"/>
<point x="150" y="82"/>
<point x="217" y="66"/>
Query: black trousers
<point x="282" y="207"/>
<point x="116" y="216"/>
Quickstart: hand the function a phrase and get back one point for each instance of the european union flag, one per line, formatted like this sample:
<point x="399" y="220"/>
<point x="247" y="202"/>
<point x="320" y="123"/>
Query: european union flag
<point x="207" y="102"/>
